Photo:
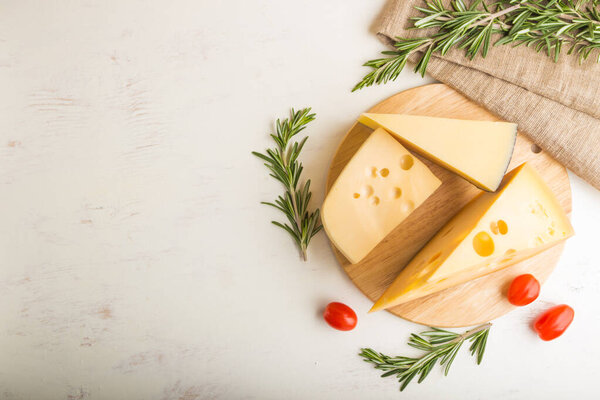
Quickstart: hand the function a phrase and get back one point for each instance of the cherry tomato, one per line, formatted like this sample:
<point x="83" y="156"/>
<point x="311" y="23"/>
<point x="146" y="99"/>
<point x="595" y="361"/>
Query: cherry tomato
<point x="553" y="322"/>
<point x="340" y="316"/>
<point x="523" y="290"/>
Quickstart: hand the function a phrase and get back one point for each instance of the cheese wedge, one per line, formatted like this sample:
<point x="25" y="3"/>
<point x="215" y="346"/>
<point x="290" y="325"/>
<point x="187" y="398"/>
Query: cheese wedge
<point x="491" y="232"/>
<point x="479" y="151"/>
<point x="378" y="188"/>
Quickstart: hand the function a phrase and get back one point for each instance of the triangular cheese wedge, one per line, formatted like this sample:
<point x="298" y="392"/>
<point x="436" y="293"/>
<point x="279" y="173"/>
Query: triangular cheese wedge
<point x="479" y="151"/>
<point x="378" y="188"/>
<point x="491" y="232"/>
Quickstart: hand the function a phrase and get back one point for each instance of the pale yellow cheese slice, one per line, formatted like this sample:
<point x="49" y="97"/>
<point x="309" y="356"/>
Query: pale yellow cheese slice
<point x="493" y="231"/>
<point x="479" y="151"/>
<point x="378" y="188"/>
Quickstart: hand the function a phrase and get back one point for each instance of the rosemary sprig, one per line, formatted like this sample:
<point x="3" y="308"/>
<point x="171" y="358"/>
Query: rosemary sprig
<point x="545" y="25"/>
<point x="283" y="163"/>
<point x="438" y="344"/>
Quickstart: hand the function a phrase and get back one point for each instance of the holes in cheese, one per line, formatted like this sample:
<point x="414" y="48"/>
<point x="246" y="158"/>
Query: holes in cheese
<point x="387" y="195"/>
<point x="483" y="244"/>
<point x="508" y="255"/>
<point x="493" y="231"/>
<point x="536" y="241"/>
<point x="494" y="227"/>
<point x="407" y="206"/>
<point x="502" y="227"/>
<point x="406" y="162"/>
<point x="499" y="227"/>
<point x="479" y="151"/>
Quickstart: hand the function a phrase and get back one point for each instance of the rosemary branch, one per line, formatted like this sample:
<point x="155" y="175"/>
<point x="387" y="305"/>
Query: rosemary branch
<point x="283" y="163"/>
<point x="545" y="25"/>
<point x="438" y="344"/>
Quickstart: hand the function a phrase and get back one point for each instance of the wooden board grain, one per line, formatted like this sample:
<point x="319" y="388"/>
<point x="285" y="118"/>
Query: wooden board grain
<point x="474" y="302"/>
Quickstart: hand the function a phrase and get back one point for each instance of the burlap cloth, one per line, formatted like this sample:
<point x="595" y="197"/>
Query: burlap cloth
<point x="556" y="104"/>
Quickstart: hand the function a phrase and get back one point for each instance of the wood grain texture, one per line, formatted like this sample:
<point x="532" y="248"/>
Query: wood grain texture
<point x="474" y="302"/>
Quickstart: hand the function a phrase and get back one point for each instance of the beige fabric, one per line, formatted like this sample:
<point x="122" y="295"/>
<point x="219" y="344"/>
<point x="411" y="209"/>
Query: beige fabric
<point x="555" y="104"/>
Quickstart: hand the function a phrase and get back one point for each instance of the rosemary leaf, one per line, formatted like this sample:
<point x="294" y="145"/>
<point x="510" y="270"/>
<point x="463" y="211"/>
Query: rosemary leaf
<point x="439" y="345"/>
<point x="543" y="25"/>
<point x="282" y="162"/>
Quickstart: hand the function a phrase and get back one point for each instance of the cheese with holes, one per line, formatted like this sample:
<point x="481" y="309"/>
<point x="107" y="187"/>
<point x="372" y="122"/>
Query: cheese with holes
<point x="378" y="188"/>
<point x="493" y="231"/>
<point x="479" y="151"/>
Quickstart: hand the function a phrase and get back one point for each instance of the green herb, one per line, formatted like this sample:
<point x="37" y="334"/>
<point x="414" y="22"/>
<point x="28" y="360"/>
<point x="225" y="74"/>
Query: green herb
<point x="545" y="25"/>
<point x="283" y="163"/>
<point x="438" y="345"/>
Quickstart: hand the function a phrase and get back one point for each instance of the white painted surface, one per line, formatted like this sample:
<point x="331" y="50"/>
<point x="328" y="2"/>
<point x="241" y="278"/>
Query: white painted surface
<point x="137" y="262"/>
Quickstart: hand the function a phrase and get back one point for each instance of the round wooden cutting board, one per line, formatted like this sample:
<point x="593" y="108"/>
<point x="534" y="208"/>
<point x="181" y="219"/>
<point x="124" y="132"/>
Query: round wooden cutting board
<point x="474" y="302"/>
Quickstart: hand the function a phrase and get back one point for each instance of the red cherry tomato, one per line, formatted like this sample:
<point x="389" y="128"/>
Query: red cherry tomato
<point x="523" y="290"/>
<point x="340" y="316"/>
<point x="553" y="322"/>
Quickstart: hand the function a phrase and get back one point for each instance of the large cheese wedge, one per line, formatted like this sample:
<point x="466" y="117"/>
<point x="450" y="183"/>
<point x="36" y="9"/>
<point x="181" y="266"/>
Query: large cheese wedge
<point x="491" y="232"/>
<point x="378" y="188"/>
<point x="479" y="151"/>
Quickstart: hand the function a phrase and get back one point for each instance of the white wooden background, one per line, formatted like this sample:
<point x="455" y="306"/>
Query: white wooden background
<point x="137" y="262"/>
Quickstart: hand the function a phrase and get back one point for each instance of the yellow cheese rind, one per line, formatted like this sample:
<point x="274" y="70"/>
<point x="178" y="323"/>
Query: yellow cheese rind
<point x="493" y="231"/>
<point x="378" y="188"/>
<point x="479" y="151"/>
